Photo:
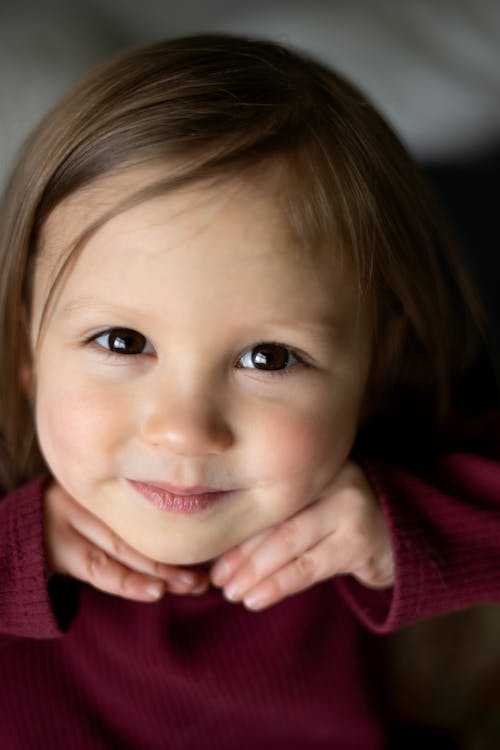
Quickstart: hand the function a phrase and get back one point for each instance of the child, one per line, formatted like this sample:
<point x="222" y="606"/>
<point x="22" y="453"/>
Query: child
<point x="226" y="318"/>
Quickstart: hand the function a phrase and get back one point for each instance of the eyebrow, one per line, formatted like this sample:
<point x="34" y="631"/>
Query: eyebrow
<point x="81" y="304"/>
<point x="318" y="326"/>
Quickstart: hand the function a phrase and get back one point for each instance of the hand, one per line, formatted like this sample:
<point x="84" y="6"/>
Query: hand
<point x="78" y="544"/>
<point x="344" y="531"/>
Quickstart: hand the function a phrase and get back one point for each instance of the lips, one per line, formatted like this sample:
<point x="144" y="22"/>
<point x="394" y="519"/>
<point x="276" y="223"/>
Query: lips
<point x="172" y="499"/>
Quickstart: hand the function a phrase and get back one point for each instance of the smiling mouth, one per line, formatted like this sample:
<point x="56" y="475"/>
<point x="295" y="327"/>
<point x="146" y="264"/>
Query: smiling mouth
<point x="177" y="500"/>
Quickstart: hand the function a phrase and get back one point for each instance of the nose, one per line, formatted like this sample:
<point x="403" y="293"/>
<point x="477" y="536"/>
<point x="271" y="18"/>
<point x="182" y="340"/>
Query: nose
<point x="188" y="427"/>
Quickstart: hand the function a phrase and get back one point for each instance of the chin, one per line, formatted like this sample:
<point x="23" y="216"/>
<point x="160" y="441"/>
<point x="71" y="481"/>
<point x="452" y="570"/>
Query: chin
<point x="183" y="554"/>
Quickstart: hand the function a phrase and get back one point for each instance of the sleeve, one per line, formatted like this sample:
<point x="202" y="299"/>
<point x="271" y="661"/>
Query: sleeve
<point x="26" y="608"/>
<point x="445" y="528"/>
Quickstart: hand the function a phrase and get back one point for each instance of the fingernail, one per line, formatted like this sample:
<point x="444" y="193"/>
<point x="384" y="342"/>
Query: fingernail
<point x="155" y="589"/>
<point x="233" y="591"/>
<point x="254" y="601"/>
<point x="220" y="573"/>
<point x="186" y="578"/>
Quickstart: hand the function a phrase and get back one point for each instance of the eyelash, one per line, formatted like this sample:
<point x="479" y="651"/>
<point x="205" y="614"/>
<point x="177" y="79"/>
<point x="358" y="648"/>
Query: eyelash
<point x="114" y="355"/>
<point x="279" y="372"/>
<point x="119" y="333"/>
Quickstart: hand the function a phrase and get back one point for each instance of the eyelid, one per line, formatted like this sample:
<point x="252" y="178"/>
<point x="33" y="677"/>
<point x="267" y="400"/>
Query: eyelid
<point x="299" y="359"/>
<point x="298" y="362"/>
<point x="105" y="351"/>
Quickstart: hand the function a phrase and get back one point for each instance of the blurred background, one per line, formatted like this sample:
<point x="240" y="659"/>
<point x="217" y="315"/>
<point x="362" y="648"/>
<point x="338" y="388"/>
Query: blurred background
<point x="433" y="68"/>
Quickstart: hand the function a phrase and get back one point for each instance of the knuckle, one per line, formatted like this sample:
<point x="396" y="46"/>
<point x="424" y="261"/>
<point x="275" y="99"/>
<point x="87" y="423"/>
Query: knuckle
<point x="275" y="590"/>
<point x="96" y="562"/>
<point x="373" y="572"/>
<point x="125" y="584"/>
<point x="355" y="498"/>
<point x="357" y="532"/>
<point x="119" y="546"/>
<point x="158" y="569"/>
<point x="307" y="567"/>
<point x="289" y="533"/>
<point x="370" y="569"/>
<point x="250" y="569"/>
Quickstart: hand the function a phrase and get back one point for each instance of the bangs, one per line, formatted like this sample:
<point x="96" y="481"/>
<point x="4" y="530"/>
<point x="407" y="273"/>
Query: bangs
<point x="214" y="107"/>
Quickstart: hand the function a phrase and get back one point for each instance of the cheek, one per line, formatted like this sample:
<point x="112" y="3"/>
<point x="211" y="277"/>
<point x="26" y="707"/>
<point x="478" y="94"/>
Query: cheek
<point x="74" y="425"/>
<point x="292" y="442"/>
<point x="62" y="430"/>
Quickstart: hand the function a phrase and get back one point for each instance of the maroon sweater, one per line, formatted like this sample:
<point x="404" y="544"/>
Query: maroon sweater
<point x="85" y="670"/>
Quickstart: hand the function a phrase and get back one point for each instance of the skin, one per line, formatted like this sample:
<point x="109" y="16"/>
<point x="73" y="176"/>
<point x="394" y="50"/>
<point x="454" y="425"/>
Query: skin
<point x="204" y="277"/>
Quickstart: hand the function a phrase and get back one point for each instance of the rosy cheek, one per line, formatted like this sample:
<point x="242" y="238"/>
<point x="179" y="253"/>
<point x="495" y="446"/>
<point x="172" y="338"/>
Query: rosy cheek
<point x="290" y="443"/>
<point x="68" y="428"/>
<point x="56" y="427"/>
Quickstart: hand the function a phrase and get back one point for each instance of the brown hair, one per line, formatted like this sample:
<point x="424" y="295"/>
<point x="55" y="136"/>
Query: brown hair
<point x="219" y="105"/>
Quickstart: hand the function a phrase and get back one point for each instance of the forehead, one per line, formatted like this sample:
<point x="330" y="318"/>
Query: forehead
<point x="269" y="186"/>
<point x="70" y="218"/>
<point x="232" y="233"/>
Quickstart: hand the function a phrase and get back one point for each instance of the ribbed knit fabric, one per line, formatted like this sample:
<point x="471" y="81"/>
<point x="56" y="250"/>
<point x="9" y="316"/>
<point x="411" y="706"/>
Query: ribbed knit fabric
<point x="25" y="607"/>
<point x="180" y="674"/>
<point x="197" y="672"/>
<point x="445" y="537"/>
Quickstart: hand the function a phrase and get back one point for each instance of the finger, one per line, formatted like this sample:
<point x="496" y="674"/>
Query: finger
<point x="65" y="519"/>
<point x="289" y="541"/>
<point x="314" y="565"/>
<point x="93" y="565"/>
<point x="93" y="529"/>
<point x="103" y="538"/>
<point x="191" y="590"/>
<point x="180" y="581"/>
<point x="229" y="562"/>
<point x="319" y="563"/>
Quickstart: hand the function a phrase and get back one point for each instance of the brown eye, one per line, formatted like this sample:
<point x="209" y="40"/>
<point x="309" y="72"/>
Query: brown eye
<point x="124" y="341"/>
<point x="268" y="357"/>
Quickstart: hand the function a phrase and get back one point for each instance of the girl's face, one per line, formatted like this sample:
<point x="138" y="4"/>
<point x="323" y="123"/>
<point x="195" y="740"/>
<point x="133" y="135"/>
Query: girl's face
<point x="199" y="377"/>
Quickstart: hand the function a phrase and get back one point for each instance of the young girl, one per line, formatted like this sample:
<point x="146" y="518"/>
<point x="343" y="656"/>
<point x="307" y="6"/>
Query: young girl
<point x="241" y="339"/>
